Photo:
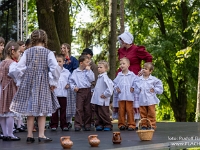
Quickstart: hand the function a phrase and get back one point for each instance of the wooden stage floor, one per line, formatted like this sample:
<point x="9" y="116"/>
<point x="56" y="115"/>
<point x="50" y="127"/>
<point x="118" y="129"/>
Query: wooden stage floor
<point x="168" y="136"/>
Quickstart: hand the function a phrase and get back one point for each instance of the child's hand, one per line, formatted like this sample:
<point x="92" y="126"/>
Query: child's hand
<point x="140" y="72"/>
<point x="76" y="89"/>
<point x="67" y="86"/>
<point x="52" y="88"/>
<point x="118" y="90"/>
<point x="131" y="90"/>
<point x="103" y="96"/>
<point x="87" y="67"/>
<point x="152" y="90"/>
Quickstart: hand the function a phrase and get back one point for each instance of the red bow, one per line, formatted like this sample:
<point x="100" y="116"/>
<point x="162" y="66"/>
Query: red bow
<point x="15" y="60"/>
<point x="68" y="59"/>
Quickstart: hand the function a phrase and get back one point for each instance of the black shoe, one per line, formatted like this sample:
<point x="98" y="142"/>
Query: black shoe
<point x="30" y="140"/>
<point x="15" y="131"/>
<point x="1" y="136"/>
<point x="53" y="129"/>
<point x="69" y="125"/>
<point x="44" y="140"/>
<point x="122" y="128"/>
<point x="87" y="129"/>
<point x="9" y="138"/>
<point x="77" y="129"/>
<point x="150" y="128"/>
<point x="130" y="129"/>
<point x="5" y="138"/>
<point x="65" y="129"/>
<point x="144" y="128"/>
<point x="24" y="127"/>
<point x="21" y="129"/>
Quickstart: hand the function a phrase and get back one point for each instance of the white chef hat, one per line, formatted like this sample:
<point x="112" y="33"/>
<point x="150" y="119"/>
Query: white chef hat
<point x="127" y="37"/>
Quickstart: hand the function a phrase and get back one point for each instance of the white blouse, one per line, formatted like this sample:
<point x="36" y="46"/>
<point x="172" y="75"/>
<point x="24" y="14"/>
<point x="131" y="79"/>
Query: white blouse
<point x="16" y="70"/>
<point x="125" y="82"/>
<point x="143" y="87"/>
<point x="103" y="86"/>
<point x="61" y="91"/>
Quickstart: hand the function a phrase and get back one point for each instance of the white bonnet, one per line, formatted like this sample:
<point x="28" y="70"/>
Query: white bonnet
<point x="127" y="37"/>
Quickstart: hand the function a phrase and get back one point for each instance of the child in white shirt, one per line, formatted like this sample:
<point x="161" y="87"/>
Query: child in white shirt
<point x="101" y="98"/>
<point x="80" y="82"/>
<point x="148" y="86"/>
<point x="124" y="86"/>
<point x="61" y="93"/>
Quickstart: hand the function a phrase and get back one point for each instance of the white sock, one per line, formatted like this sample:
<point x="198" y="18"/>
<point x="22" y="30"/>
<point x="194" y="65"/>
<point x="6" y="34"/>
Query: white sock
<point x="69" y="119"/>
<point x="137" y="122"/>
<point x="3" y="126"/>
<point x="10" y="126"/>
<point x="19" y="123"/>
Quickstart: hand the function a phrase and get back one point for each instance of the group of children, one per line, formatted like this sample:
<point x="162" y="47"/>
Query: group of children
<point x="24" y="91"/>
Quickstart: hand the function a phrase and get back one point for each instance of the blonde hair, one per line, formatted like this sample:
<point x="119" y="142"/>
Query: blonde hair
<point x="125" y="59"/>
<point x="105" y="63"/>
<point x="149" y="65"/>
<point x="39" y="36"/>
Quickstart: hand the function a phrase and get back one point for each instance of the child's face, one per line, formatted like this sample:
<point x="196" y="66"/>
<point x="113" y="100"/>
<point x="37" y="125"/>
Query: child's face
<point x="85" y="63"/>
<point x="101" y="68"/>
<point x="146" y="71"/>
<point x="124" y="65"/>
<point x="16" y="54"/>
<point x="64" y="50"/>
<point x="1" y="47"/>
<point x="60" y="61"/>
<point x="22" y="48"/>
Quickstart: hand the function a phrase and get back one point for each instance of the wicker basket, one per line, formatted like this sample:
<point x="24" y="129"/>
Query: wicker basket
<point x="145" y="135"/>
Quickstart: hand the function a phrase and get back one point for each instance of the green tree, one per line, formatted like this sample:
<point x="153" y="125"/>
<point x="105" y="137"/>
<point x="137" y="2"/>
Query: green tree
<point x="53" y="17"/>
<point x="46" y="20"/>
<point x="112" y="37"/>
<point x="165" y="28"/>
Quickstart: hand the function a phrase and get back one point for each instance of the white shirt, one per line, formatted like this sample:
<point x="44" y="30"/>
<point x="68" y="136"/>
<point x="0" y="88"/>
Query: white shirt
<point x="61" y="91"/>
<point x="124" y="82"/>
<point x="16" y="70"/>
<point x="143" y="86"/>
<point x="81" y="78"/>
<point x="104" y="85"/>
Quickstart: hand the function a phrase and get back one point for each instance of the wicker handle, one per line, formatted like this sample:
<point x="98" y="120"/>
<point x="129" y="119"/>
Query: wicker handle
<point x="139" y="126"/>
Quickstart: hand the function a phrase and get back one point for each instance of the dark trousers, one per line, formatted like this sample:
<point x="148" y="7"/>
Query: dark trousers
<point x="54" y="119"/>
<point x="93" y="118"/>
<point x="103" y="116"/>
<point x="83" y="108"/>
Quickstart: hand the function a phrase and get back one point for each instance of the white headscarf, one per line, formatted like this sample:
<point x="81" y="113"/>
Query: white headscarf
<point x="126" y="37"/>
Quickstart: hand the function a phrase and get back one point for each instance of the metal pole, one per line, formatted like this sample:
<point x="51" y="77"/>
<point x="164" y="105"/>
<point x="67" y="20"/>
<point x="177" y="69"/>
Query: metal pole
<point x="21" y="20"/>
<point x="26" y="19"/>
<point x="17" y="20"/>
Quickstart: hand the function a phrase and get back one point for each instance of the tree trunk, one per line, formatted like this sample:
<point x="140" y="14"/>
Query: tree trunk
<point x="46" y="22"/>
<point x="198" y="96"/>
<point x="178" y="102"/>
<point x="121" y="16"/>
<point x="112" y="37"/>
<point x="62" y="20"/>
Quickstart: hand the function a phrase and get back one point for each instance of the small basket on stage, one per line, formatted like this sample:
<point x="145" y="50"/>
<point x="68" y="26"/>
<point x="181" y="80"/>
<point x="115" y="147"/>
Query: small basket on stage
<point x="145" y="135"/>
